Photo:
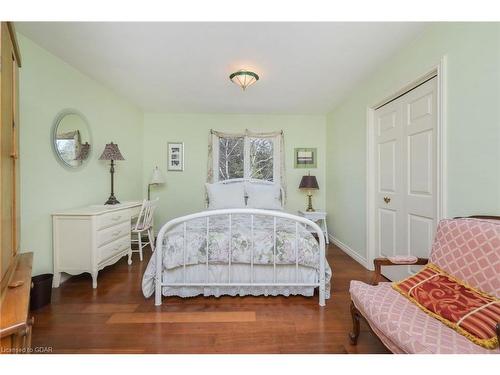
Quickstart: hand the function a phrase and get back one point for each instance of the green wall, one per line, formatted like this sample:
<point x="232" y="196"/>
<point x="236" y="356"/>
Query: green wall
<point x="473" y="125"/>
<point x="184" y="192"/>
<point x="48" y="85"/>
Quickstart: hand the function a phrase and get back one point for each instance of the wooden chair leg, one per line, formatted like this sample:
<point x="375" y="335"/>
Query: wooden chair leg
<point x="353" y="336"/>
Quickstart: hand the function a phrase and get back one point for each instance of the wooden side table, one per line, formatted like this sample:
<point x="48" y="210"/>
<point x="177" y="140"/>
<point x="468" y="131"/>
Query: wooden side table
<point x="318" y="217"/>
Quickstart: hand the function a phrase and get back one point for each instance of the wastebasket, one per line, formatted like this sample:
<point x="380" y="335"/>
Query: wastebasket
<point x="41" y="290"/>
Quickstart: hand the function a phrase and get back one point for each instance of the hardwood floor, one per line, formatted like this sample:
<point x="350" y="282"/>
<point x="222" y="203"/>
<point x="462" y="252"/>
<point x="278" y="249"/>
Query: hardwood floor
<point x="116" y="318"/>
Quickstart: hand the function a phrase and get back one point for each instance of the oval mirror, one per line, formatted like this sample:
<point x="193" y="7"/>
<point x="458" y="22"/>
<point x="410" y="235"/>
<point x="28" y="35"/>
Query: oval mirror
<point x="71" y="138"/>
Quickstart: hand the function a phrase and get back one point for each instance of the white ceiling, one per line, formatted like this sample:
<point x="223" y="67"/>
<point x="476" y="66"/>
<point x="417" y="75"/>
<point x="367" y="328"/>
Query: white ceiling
<point x="184" y="67"/>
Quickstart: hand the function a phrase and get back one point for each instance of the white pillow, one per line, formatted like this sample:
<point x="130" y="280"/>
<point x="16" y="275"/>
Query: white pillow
<point x="225" y="196"/>
<point x="267" y="197"/>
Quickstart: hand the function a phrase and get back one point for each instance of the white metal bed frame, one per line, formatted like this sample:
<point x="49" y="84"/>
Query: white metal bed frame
<point x="238" y="211"/>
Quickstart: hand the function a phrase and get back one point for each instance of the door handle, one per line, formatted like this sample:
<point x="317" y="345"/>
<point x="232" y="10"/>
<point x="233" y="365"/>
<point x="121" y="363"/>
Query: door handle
<point x="387" y="199"/>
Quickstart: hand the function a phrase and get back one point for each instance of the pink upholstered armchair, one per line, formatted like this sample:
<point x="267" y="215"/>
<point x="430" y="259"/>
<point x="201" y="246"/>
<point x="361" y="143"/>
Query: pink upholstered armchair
<point x="466" y="248"/>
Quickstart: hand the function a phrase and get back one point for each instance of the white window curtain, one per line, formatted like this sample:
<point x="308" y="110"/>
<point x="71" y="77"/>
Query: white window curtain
<point x="248" y="155"/>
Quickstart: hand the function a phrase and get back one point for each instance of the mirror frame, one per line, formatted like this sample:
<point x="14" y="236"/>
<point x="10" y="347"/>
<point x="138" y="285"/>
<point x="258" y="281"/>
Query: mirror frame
<point x="55" y="125"/>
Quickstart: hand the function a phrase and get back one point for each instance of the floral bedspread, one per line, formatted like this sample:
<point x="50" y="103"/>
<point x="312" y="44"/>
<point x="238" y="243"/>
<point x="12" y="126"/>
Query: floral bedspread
<point x="240" y="251"/>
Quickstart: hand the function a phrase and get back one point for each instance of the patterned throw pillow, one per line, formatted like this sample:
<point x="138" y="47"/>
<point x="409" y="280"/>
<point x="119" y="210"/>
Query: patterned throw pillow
<point x="468" y="311"/>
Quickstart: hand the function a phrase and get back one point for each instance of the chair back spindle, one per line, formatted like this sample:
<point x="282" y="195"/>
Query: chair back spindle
<point x="145" y="218"/>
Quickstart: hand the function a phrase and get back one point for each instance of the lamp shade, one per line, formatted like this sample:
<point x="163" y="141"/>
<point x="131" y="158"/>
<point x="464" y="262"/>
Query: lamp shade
<point x="308" y="182"/>
<point x="157" y="177"/>
<point x="111" y="152"/>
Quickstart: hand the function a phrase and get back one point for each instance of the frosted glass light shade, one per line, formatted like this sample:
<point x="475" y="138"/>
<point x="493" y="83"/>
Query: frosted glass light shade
<point x="244" y="78"/>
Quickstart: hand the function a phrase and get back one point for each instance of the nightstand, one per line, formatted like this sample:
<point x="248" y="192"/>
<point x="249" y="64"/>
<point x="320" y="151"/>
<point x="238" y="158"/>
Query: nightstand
<point x="318" y="217"/>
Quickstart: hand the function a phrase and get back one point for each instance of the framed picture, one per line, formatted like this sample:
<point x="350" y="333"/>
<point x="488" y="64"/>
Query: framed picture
<point x="175" y="160"/>
<point x="305" y="158"/>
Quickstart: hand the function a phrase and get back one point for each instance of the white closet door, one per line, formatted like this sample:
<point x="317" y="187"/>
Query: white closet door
<point x="389" y="172"/>
<point x="405" y="173"/>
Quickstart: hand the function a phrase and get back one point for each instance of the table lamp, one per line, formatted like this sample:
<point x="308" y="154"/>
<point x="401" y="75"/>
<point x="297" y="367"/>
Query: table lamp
<point x="112" y="152"/>
<point x="156" y="179"/>
<point x="309" y="183"/>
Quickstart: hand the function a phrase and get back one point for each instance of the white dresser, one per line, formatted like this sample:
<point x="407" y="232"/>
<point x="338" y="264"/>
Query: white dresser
<point x="90" y="238"/>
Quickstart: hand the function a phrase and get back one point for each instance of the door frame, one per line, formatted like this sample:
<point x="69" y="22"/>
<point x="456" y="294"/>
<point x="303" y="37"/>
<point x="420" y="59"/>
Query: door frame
<point x="438" y="70"/>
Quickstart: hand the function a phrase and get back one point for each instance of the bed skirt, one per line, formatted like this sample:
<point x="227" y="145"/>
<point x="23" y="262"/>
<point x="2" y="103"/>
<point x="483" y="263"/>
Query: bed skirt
<point x="239" y="273"/>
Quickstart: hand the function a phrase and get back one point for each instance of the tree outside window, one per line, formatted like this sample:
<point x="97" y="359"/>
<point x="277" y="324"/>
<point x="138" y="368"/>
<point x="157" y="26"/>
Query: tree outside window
<point x="231" y="158"/>
<point x="260" y="158"/>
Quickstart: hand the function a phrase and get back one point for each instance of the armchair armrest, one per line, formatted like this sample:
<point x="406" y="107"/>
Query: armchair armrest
<point x="379" y="262"/>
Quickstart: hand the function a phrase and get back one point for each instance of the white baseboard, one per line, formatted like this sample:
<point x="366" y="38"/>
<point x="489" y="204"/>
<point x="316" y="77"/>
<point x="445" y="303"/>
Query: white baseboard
<point x="346" y="249"/>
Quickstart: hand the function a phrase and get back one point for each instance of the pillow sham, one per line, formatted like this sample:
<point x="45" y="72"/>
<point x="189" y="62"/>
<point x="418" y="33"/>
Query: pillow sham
<point x="263" y="196"/>
<point x="222" y="196"/>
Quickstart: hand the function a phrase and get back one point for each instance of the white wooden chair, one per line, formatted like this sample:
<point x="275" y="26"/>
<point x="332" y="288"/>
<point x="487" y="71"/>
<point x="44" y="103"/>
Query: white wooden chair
<point x="143" y="225"/>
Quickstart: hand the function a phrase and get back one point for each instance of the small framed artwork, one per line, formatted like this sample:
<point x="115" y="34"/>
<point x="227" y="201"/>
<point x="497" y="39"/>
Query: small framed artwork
<point x="175" y="152"/>
<point x="305" y="158"/>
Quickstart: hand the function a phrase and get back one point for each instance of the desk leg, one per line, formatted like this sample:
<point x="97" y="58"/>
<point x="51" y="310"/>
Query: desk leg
<point x="129" y="261"/>
<point x="57" y="279"/>
<point x="94" y="279"/>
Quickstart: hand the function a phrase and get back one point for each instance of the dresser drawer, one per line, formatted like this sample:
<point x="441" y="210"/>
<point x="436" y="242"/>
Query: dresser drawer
<point x="113" y="218"/>
<point x="112" y="233"/>
<point x="113" y="248"/>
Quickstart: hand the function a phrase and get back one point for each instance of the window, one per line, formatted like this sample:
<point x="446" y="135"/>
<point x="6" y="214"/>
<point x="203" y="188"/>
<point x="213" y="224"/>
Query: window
<point x="261" y="159"/>
<point x="231" y="158"/>
<point x="250" y="157"/>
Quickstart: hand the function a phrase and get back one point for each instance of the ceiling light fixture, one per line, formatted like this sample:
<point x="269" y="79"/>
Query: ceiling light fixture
<point x="244" y="78"/>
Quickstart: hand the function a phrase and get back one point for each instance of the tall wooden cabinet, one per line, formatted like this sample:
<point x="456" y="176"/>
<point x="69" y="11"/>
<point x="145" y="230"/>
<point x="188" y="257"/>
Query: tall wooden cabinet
<point x="15" y="268"/>
<point x="9" y="166"/>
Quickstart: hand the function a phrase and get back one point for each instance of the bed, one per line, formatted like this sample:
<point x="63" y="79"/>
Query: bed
<point x="245" y="250"/>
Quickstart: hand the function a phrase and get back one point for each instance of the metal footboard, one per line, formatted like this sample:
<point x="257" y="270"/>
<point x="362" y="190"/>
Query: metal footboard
<point x="229" y="213"/>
